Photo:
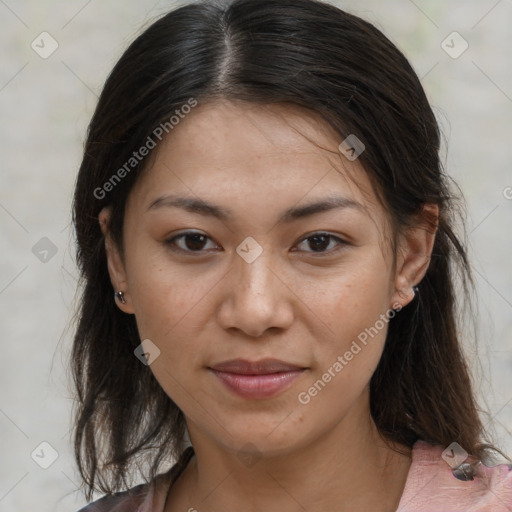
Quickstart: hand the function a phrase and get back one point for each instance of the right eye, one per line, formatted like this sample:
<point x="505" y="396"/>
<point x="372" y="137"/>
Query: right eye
<point x="188" y="242"/>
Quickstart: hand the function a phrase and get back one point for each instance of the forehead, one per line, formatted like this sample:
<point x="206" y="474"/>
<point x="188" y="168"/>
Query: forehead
<point x="266" y="154"/>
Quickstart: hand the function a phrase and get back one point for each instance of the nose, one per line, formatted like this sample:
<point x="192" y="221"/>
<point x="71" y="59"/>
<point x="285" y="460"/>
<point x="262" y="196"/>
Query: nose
<point x="256" y="298"/>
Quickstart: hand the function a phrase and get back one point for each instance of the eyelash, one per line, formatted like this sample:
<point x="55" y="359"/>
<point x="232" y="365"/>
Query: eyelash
<point x="170" y="243"/>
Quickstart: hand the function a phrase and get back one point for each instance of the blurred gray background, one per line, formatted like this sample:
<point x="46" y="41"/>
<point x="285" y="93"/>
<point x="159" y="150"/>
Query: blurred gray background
<point x="46" y="101"/>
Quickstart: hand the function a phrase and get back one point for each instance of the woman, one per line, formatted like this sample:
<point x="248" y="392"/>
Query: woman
<point x="265" y="239"/>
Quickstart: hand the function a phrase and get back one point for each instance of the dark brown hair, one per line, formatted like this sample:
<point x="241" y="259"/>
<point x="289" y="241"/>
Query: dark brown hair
<point x="298" y="52"/>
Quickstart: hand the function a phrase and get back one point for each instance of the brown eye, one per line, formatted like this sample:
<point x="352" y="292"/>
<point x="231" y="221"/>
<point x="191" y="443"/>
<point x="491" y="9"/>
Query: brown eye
<point x="322" y="243"/>
<point x="188" y="242"/>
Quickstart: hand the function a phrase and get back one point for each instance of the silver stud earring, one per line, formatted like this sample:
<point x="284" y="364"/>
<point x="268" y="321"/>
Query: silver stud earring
<point x="120" y="296"/>
<point x="466" y="471"/>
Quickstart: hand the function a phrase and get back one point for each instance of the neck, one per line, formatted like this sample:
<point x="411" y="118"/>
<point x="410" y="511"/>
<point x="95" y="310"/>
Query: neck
<point x="349" y="466"/>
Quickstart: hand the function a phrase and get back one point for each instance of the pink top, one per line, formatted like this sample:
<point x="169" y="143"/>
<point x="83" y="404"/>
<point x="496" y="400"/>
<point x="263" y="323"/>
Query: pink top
<point x="430" y="487"/>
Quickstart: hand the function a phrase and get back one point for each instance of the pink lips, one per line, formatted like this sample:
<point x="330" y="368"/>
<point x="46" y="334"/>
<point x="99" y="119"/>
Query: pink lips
<point x="258" y="379"/>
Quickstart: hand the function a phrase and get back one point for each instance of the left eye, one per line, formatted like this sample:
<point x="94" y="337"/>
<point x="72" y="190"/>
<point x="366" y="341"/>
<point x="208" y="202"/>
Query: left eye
<point x="322" y="242"/>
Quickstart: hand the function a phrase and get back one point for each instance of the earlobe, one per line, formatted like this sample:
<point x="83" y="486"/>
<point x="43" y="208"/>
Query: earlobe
<point x="116" y="268"/>
<point x="415" y="251"/>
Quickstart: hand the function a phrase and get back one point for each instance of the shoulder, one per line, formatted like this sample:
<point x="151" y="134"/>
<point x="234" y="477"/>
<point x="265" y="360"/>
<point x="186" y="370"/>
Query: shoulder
<point x="149" y="497"/>
<point x="433" y="485"/>
<point x="135" y="499"/>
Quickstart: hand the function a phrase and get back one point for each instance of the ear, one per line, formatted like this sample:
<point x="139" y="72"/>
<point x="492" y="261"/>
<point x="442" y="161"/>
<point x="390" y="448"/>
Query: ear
<point x="414" y="253"/>
<point x="116" y="268"/>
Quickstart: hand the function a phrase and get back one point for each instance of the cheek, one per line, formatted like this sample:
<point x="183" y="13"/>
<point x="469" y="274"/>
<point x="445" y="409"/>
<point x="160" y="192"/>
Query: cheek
<point x="338" y="382"/>
<point x="163" y="295"/>
<point x="168" y="304"/>
<point x="354" y="305"/>
<point x="352" y="297"/>
<point x="165" y="309"/>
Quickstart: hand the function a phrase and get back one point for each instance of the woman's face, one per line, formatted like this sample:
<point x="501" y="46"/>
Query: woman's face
<point x="245" y="241"/>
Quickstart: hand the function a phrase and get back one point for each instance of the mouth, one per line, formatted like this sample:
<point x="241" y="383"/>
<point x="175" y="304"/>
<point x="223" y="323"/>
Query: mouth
<point x="256" y="379"/>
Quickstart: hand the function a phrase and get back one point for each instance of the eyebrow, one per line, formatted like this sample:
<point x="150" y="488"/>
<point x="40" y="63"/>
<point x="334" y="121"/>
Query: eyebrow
<point x="202" y="207"/>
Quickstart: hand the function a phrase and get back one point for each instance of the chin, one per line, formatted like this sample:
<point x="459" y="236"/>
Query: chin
<point x="271" y="437"/>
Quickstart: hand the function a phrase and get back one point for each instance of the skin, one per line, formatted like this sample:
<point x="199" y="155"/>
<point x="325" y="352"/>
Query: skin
<point x="290" y="303"/>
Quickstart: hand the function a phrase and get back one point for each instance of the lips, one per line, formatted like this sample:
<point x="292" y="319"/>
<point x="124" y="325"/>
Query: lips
<point x="256" y="379"/>
<point x="263" y="367"/>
